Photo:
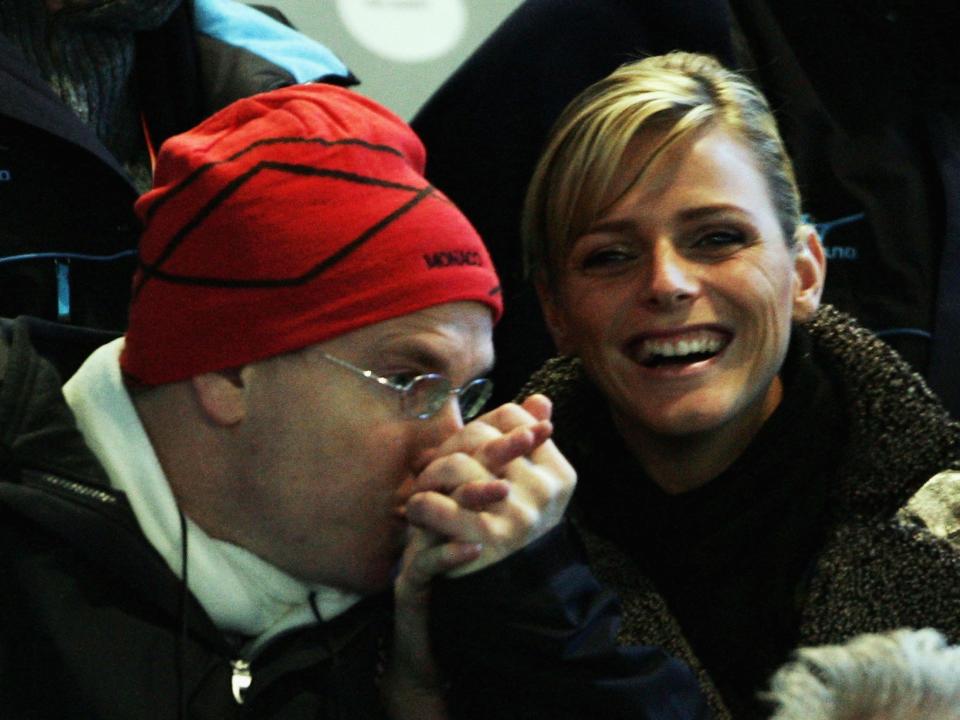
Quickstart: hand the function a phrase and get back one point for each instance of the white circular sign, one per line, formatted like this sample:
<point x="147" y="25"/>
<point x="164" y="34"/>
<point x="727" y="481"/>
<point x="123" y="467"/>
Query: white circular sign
<point x="405" y="30"/>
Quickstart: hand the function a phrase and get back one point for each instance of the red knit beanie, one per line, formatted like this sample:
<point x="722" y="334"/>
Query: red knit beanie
<point x="284" y="220"/>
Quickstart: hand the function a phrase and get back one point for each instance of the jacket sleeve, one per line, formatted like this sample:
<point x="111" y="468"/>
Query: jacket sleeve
<point x="534" y="636"/>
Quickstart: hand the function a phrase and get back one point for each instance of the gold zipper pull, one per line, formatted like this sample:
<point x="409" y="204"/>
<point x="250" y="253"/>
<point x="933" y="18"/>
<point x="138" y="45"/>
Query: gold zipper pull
<point x="241" y="679"/>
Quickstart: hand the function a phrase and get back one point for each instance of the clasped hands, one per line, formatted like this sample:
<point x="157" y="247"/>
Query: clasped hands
<point x="491" y="489"/>
<point x="488" y="491"/>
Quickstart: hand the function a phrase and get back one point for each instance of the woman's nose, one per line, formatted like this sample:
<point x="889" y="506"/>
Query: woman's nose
<point x="670" y="278"/>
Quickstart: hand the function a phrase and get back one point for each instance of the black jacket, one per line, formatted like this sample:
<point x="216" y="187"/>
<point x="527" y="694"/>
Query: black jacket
<point x="95" y="625"/>
<point x="63" y="193"/>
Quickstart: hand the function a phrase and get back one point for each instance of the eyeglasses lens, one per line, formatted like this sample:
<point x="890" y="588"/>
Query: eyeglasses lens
<point x="426" y="395"/>
<point x="473" y="397"/>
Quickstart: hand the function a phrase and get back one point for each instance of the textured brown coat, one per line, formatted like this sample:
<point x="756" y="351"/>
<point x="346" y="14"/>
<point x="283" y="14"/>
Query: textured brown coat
<point x="880" y="567"/>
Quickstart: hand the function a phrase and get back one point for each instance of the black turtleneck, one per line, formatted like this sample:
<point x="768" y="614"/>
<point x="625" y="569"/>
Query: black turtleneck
<point x="730" y="558"/>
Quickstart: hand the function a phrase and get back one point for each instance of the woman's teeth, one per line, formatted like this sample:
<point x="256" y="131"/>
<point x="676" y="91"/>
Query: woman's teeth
<point x="688" y="348"/>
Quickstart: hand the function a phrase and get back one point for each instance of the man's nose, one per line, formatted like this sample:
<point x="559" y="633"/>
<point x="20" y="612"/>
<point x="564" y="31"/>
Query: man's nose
<point x="436" y="429"/>
<point x="448" y="419"/>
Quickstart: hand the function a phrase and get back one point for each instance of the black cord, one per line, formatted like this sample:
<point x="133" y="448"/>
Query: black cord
<point x="182" y="614"/>
<point x="336" y="684"/>
<point x="312" y="598"/>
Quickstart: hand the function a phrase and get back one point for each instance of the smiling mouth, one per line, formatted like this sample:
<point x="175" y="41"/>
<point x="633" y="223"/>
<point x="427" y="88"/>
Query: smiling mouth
<point x="682" y="349"/>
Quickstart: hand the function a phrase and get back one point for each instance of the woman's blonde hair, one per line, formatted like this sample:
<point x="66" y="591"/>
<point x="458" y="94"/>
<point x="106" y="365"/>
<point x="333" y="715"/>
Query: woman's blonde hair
<point x="674" y="94"/>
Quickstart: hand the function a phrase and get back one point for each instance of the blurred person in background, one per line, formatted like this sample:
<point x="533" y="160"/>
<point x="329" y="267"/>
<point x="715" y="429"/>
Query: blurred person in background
<point x="89" y="90"/>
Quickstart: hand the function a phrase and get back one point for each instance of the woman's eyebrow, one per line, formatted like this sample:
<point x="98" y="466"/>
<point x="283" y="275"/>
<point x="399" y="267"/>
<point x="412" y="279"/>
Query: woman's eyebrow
<point x="610" y="225"/>
<point x="708" y="211"/>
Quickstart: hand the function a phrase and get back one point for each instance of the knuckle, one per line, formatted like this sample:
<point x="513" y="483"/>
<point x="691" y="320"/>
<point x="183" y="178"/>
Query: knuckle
<point x="486" y="524"/>
<point x="511" y="414"/>
<point x="453" y="464"/>
<point x="543" y="490"/>
<point x="542" y="484"/>
<point x="551" y="493"/>
<point x="479" y="430"/>
<point x="527" y="518"/>
<point x="476" y="434"/>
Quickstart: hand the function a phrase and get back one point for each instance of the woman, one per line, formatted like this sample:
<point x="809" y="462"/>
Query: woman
<point x="742" y="452"/>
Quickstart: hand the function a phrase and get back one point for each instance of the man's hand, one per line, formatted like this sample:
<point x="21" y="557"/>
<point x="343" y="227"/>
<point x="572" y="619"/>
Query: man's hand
<point x="488" y="491"/>
<point x="497" y="485"/>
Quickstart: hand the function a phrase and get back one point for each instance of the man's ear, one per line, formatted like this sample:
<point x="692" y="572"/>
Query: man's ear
<point x="554" y="315"/>
<point x="810" y="270"/>
<point x="222" y="396"/>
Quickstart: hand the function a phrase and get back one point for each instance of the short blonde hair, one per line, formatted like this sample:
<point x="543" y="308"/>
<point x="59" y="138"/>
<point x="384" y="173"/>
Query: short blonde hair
<point x="899" y="675"/>
<point x="676" y="94"/>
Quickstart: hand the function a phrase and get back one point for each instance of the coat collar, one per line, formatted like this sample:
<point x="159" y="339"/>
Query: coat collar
<point x="899" y="433"/>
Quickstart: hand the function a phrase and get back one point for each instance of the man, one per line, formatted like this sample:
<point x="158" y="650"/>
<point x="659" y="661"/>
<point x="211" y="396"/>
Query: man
<point x="310" y="327"/>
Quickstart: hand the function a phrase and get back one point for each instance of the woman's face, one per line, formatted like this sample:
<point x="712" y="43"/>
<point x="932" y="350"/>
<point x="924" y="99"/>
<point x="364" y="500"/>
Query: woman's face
<point x="680" y="296"/>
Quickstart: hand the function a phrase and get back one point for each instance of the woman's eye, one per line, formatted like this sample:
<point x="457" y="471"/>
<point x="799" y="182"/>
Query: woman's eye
<point x="720" y="239"/>
<point x="606" y="258"/>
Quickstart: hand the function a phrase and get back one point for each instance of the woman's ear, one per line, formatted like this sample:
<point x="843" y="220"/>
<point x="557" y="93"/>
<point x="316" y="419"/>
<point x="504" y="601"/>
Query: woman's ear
<point x="554" y="315"/>
<point x="222" y="396"/>
<point x="810" y="270"/>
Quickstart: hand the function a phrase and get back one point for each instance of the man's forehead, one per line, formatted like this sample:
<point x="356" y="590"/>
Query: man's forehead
<point x="441" y="335"/>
